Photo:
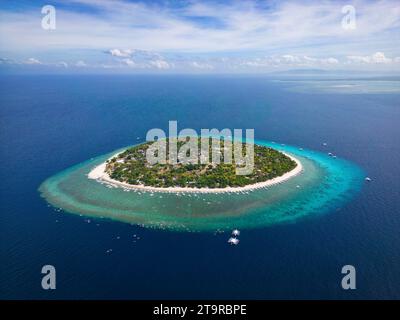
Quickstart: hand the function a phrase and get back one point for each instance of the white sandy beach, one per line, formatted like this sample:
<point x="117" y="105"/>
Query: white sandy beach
<point x="98" y="173"/>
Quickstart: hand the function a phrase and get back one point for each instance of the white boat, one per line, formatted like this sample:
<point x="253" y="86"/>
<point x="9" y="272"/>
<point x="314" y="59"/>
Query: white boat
<point x="233" y="241"/>
<point x="368" y="179"/>
<point x="236" y="232"/>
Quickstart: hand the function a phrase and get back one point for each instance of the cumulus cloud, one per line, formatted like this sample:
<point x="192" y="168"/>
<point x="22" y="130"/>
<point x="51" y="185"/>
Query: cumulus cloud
<point x="80" y="63"/>
<point x="160" y="64"/>
<point x="120" y="53"/>
<point x="289" y="60"/>
<point x="141" y="59"/>
<point x="331" y="61"/>
<point x="32" y="61"/>
<point x="201" y="65"/>
<point x="376" y="58"/>
<point x="149" y="60"/>
<point x="129" y="62"/>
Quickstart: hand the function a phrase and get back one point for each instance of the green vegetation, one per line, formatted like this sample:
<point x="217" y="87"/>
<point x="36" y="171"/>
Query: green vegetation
<point x="132" y="167"/>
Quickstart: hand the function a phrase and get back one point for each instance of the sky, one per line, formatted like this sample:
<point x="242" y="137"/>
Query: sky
<point x="193" y="36"/>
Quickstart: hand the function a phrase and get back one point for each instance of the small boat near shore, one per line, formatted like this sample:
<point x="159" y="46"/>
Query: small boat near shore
<point x="233" y="241"/>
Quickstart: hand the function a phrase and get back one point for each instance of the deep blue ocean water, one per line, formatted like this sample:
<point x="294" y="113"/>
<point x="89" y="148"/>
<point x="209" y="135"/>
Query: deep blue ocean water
<point x="49" y="123"/>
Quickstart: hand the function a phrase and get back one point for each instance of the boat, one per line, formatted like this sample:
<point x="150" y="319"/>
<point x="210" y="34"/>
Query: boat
<point x="236" y="232"/>
<point x="233" y="241"/>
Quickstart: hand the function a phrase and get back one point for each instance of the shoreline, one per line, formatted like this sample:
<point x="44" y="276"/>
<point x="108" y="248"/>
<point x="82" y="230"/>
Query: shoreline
<point x="98" y="173"/>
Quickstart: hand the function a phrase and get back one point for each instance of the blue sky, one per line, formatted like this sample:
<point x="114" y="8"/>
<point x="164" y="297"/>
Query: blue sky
<point x="201" y="36"/>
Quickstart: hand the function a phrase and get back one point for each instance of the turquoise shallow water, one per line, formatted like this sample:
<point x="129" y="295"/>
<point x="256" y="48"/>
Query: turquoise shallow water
<point x="325" y="184"/>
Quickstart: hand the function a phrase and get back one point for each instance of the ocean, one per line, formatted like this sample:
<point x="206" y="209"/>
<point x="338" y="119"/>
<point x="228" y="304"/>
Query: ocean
<point x="52" y="122"/>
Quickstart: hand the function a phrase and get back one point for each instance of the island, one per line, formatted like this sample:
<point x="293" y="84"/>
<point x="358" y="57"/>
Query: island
<point x="130" y="169"/>
<point x="286" y="191"/>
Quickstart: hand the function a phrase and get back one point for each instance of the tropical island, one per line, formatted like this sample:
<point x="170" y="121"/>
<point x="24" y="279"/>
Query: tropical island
<point x="311" y="187"/>
<point x="130" y="169"/>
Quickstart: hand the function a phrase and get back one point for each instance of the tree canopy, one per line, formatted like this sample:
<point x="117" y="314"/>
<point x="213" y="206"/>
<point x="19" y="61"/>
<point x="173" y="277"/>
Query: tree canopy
<point x="132" y="167"/>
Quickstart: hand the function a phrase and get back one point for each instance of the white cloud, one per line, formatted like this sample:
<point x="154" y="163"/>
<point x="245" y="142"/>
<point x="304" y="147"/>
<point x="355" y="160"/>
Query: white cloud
<point x="289" y="60"/>
<point x="243" y="34"/>
<point x="201" y="65"/>
<point x="121" y="53"/>
<point x="129" y="62"/>
<point x="376" y="58"/>
<point x="160" y="64"/>
<point x="332" y="61"/>
<point x="80" y="63"/>
<point x="32" y="61"/>
<point x="238" y="26"/>
<point x="140" y="58"/>
<point x="147" y="60"/>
